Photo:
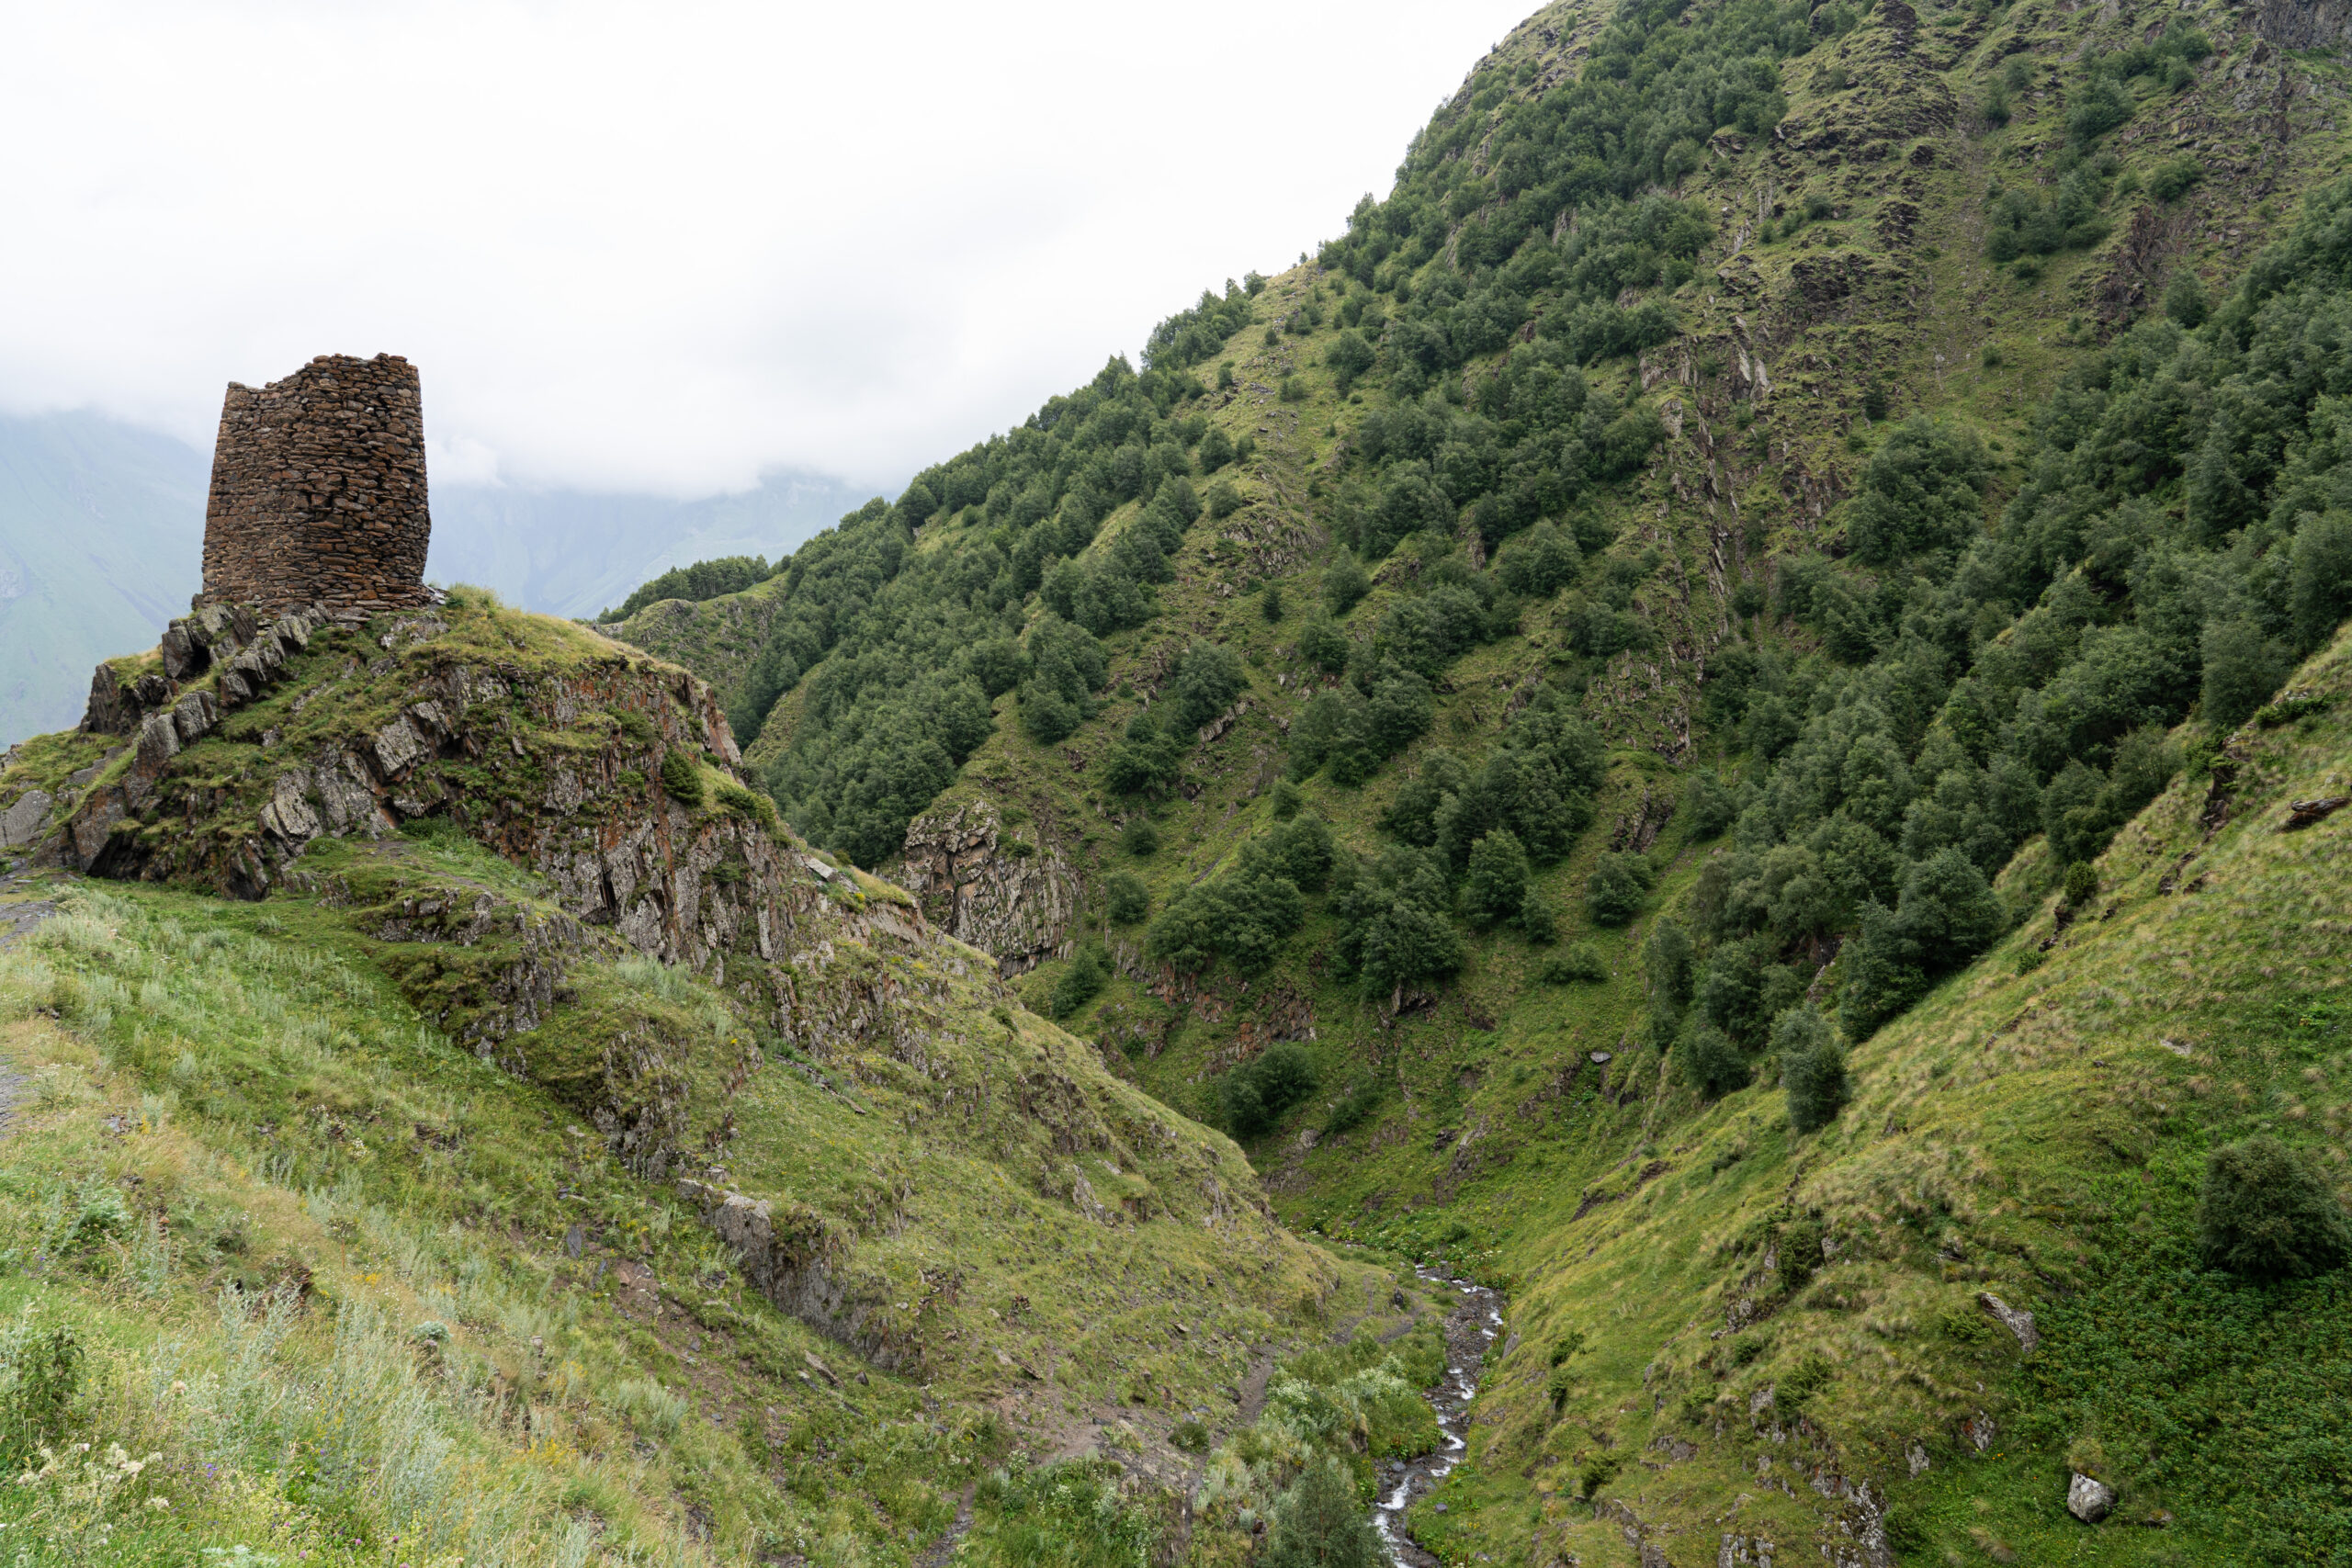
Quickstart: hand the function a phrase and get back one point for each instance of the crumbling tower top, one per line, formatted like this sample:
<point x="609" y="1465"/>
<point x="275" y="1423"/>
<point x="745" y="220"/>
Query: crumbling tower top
<point x="318" y="490"/>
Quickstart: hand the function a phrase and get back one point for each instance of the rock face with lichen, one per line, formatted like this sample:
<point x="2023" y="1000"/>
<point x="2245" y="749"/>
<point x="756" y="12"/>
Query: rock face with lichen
<point x="1014" y="898"/>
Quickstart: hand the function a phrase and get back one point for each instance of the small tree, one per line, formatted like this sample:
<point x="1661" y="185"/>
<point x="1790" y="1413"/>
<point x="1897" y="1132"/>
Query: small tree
<point x="2185" y="300"/>
<point x="1079" y="983"/>
<point x="1812" y="1069"/>
<point x="1495" y="886"/>
<point x="2322" y="577"/>
<point x="682" y="779"/>
<point x="1269" y="602"/>
<point x="1320" y="1523"/>
<point x="1705" y="1058"/>
<point x="1125" y="899"/>
<point x="1540" y="562"/>
<point x="1349" y="356"/>
<point x="1046" y="714"/>
<point x="1613" y="893"/>
<point x="1344" y="582"/>
<point x="2242" y="669"/>
<point x="1208" y="678"/>
<point x="1323" y="645"/>
<point x="1140" y="838"/>
<point x="1254" y="1095"/>
<point x="2268" y="1212"/>
<point x="1707" y="806"/>
<point x="1668" y="958"/>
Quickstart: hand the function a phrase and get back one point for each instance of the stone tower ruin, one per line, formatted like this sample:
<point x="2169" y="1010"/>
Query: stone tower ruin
<point x="318" y="490"/>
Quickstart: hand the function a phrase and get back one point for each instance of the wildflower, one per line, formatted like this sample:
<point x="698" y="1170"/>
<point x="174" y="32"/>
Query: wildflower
<point x="160" y="1505"/>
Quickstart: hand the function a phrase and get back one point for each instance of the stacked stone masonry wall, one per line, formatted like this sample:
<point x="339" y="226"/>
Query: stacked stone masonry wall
<point x="318" y="490"/>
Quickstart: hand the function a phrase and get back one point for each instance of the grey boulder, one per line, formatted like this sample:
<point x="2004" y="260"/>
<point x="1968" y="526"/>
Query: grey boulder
<point x="2090" y="1501"/>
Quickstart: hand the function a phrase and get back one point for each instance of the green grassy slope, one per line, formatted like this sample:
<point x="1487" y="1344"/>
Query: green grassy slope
<point x="2036" y="1130"/>
<point x="408" y="1177"/>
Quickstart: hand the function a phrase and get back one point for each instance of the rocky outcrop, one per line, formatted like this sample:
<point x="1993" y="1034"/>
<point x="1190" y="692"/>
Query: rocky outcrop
<point x="2089" y="1500"/>
<point x="792" y="1257"/>
<point x="22" y="822"/>
<point x="2016" y="1321"/>
<point x="974" y="884"/>
<point x="2305" y="24"/>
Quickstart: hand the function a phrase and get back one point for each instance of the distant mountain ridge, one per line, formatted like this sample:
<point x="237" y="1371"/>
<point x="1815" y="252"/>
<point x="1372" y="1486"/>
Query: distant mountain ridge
<point x="102" y="531"/>
<point x="101" y="534"/>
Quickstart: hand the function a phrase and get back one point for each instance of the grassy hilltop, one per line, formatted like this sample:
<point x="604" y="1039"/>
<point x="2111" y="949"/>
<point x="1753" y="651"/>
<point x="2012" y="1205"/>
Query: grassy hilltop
<point x="1624" y="725"/>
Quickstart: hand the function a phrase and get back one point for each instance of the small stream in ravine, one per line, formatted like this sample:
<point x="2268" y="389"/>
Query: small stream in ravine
<point x="1470" y="1329"/>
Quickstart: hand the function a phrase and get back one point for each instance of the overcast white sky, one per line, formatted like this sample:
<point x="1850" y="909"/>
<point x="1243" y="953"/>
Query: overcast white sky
<point x="670" y="246"/>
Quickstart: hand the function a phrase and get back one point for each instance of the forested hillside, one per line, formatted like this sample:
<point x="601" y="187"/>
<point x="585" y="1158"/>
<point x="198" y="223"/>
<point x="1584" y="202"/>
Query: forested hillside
<point x="1646" y="723"/>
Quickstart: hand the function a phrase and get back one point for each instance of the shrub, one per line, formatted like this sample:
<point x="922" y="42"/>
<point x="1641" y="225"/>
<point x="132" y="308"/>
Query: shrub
<point x="1323" y="645"/>
<point x="1223" y="500"/>
<point x="1080" y="984"/>
<point x="682" y="778"/>
<point x="1360" y="1103"/>
<point x="748" y="803"/>
<point x="1208" y="678"/>
<point x="1707" y="1060"/>
<point x="1707" y="804"/>
<point x="2242" y="669"/>
<point x="2321" y="585"/>
<point x="1344" y="583"/>
<point x="1255" y="1095"/>
<point x="1046" y="714"/>
<point x="1812" y="1069"/>
<point x="1537" y="920"/>
<point x="2268" y="1212"/>
<point x="2185" y="300"/>
<point x="1140" y="838"/>
<point x="1320" y="1523"/>
<point x="1613" y="893"/>
<point x="1578" y="964"/>
<point x="2173" y="177"/>
<point x="1800" y="1254"/>
<point x="1125" y="899"/>
<point x="1270" y="603"/>
<point x="2081" y="883"/>
<point x="1288" y="799"/>
<point x="1540" y="562"/>
<point x="1495" y="886"/>
<point x="40" y="1377"/>
<point x="2099" y="108"/>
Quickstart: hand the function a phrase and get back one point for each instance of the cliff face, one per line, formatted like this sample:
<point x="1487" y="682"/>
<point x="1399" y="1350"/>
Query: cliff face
<point x="1010" y="897"/>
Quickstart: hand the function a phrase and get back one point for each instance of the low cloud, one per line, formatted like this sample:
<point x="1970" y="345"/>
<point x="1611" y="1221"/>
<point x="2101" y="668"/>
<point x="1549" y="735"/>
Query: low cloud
<point x="672" y="247"/>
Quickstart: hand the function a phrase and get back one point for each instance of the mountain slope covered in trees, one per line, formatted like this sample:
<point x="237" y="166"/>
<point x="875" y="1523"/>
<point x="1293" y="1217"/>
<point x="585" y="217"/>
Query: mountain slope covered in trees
<point x="1653" y="724"/>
